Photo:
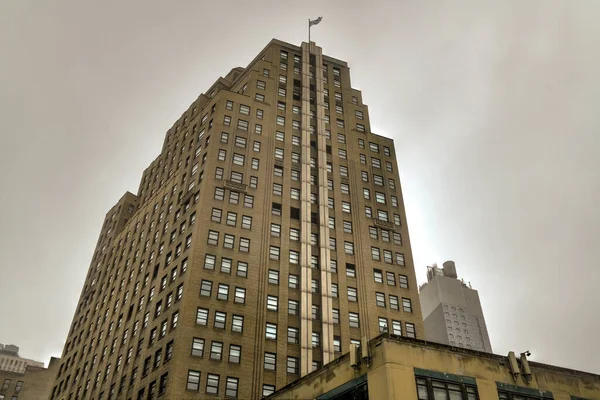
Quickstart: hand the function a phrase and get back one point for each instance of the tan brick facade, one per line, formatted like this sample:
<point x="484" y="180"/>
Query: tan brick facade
<point x="236" y="218"/>
<point x="35" y="383"/>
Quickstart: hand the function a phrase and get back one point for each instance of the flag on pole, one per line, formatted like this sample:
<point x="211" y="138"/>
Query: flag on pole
<point x="314" y="21"/>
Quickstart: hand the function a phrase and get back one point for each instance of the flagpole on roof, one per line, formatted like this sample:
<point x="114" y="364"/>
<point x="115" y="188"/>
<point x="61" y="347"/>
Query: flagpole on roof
<point x="311" y="23"/>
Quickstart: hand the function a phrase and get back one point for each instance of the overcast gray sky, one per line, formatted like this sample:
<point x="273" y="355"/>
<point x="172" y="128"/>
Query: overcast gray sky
<point x="494" y="106"/>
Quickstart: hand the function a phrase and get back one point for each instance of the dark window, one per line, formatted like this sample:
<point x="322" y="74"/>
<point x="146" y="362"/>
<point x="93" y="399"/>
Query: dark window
<point x="294" y="213"/>
<point x="428" y="388"/>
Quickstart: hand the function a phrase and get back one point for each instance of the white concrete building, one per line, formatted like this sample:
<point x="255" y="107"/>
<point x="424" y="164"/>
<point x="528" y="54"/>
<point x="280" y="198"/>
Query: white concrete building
<point x="451" y="310"/>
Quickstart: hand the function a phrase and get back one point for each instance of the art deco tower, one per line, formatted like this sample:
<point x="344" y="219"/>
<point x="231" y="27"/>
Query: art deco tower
<point x="268" y="234"/>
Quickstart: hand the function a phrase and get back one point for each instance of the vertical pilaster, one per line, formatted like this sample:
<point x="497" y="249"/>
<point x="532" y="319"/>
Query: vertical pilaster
<point x="305" y="224"/>
<point x="324" y="256"/>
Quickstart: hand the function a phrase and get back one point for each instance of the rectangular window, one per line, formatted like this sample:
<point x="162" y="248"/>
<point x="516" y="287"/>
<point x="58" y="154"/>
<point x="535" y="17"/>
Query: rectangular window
<point x="380" y="299"/>
<point x="237" y="323"/>
<point x="403" y="281"/>
<point x="205" y="288"/>
<point x="352" y="294"/>
<point x="271" y="331"/>
<point x="235" y="353"/>
<point x="278" y="153"/>
<point x="294" y="234"/>
<point x="272" y="303"/>
<point x="348" y="247"/>
<point x="274" y="253"/>
<point x="336" y="316"/>
<point x="406" y="305"/>
<point x="273" y="277"/>
<point x="375" y="253"/>
<point x="231" y="218"/>
<point x="270" y="361"/>
<point x="293" y="281"/>
<point x="261" y="85"/>
<point x="212" y="383"/>
<point x="220" y="319"/>
<point x="242" y="269"/>
<point x="316" y="339"/>
<point x="242" y="125"/>
<point x="209" y="261"/>
<point x="228" y="241"/>
<point x="383" y="324"/>
<point x="397" y="329"/>
<point x="193" y="381"/>
<point x="378" y="276"/>
<point x="240" y="295"/>
<point x="222" y="155"/>
<point x="350" y="270"/>
<point x="293" y="307"/>
<point x="244" y="245"/>
<point x="231" y="387"/>
<point x="400" y="259"/>
<point x="394" y="305"/>
<point x="223" y="292"/>
<point x="246" y="223"/>
<point x="391" y="278"/>
<point x="244" y="109"/>
<point x="294" y="257"/>
<point x="293" y="335"/>
<point x="387" y="256"/>
<point x="334" y="290"/>
<point x="226" y="265"/>
<point x="293" y="365"/>
<point x="410" y="330"/>
<point x="268" y="390"/>
<point x="238" y="159"/>
<point x="353" y="318"/>
<point x="240" y="142"/>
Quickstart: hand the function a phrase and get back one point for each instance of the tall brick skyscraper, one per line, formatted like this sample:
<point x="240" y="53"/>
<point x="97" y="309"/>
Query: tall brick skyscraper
<point x="267" y="235"/>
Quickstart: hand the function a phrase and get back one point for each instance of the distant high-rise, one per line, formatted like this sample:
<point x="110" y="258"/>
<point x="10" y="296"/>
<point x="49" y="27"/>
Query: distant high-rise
<point x="268" y="234"/>
<point x="10" y="360"/>
<point x="451" y="310"/>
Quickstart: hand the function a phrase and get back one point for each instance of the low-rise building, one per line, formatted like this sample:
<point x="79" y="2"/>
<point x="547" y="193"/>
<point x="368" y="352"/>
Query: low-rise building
<point x="394" y="367"/>
<point x="34" y="383"/>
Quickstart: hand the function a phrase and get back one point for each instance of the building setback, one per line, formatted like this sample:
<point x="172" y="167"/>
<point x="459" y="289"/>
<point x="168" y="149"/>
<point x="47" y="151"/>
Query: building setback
<point x="268" y="235"/>
<point x="452" y="311"/>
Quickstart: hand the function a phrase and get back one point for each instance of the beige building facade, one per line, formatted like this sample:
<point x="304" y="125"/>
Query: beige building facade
<point x="268" y="235"/>
<point x="33" y="383"/>
<point x="400" y="368"/>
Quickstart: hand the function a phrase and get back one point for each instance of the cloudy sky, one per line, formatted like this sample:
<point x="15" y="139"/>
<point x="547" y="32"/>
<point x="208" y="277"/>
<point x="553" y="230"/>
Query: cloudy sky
<point x="494" y="106"/>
